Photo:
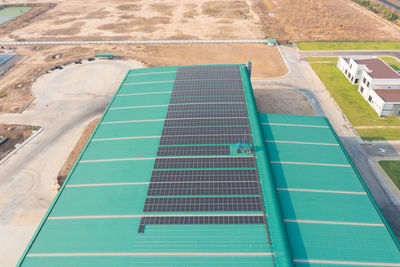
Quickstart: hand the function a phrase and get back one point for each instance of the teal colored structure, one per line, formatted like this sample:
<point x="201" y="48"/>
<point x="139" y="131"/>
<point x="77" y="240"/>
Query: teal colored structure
<point x="106" y="55"/>
<point x="317" y="213"/>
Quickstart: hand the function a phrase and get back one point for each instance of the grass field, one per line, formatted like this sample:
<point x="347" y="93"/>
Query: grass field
<point x="356" y="109"/>
<point x="349" y="45"/>
<point x="393" y="62"/>
<point x="379" y="134"/>
<point x="322" y="59"/>
<point x="392" y="168"/>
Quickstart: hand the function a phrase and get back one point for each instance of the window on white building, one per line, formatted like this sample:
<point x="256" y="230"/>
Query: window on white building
<point x="367" y="84"/>
<point x="361" y="89"/>
<point x="356" y="81"/>
<point x="364" y="80"/>
<point x="370" y="98"/>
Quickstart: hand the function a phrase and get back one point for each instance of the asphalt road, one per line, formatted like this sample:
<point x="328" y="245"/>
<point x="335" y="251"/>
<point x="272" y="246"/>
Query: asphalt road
<point x="336" y="53"/>
<point x="66" y="101"/>
<point x="302" y="77"/>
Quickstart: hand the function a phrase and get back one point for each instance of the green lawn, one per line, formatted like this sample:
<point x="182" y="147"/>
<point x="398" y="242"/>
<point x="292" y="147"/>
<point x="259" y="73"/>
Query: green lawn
<point x="9" y="13"/>
<point x="379" y="134"/>
<point x="392" y="168"/>
<point x="393" y="62"/>
<point x="357" y="110"/>
<point x="322" y="59"/>
<point x="349" y="45"/>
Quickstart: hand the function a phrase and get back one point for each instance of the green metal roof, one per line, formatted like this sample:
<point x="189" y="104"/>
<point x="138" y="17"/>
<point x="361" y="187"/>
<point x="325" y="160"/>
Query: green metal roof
<point x="94" y="219"/>
<point x="330" y="217"/>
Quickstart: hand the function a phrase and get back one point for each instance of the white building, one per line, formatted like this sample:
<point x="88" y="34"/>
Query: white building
<point x="378" y="83"/>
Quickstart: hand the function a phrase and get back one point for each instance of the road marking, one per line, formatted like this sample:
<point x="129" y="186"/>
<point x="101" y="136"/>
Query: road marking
<point x="321" y="191"/>
<point x="114" y="122"/>
<point x="107" y="184"/>
<point x="348" y="262"/>
<point x="332" y="222"/>
<point x="151" y="215"/>
<point x="124" y="138"/>
<point x="308" y="163"/>
<point x="294" y="125"/>
<point x="303" y="143"/>
<point x="149" y="73"/>
<point x="153" y="106"/>
<point x="151" y="254"/>
<point x="148" y="93"/>
<point x="149" y="82"/>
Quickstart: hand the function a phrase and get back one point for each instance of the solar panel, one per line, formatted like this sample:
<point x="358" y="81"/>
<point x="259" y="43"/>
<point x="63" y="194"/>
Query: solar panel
<point x="186" y="204"/>
<point x="203" y="188"/>
<point x="205" y="130"/>
<point x="204" y="139"/>
<point x="202" y="220"/>
<point x="206" y="93"/>
<point x="206" y="107"/>
<point x="204" y="162"/>
<point x="233" y="99"/>
<point x="203" y="175"/>
<point x="192" y="150"/>
<point x="207" y="114"/>
<point x="207" y="122"/>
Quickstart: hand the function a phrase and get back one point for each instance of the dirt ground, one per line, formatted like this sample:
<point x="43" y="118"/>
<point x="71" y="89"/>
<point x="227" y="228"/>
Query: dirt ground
<point x="312" y="20"/>
<point x="16" y="135"/>
<point x="73" y="156"/>
<point x="140" y="19"/>
<point x="282" y="101"/>
<point x="15" y="85"/>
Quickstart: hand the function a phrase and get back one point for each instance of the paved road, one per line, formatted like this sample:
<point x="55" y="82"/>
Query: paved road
<point x="336" y="53"/>
<point x="66" y="101"/>
<point x="302" y="77"/>
<point x="134" y="42"/>
<point x="391" y="4"/>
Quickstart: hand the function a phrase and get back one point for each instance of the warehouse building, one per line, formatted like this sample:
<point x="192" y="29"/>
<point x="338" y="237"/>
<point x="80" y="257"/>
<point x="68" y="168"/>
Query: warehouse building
<point x="378" y="83"/>
<point x="182" y="171"/>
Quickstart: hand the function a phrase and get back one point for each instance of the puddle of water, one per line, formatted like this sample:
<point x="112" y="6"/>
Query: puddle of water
<point x="9" y="13"/>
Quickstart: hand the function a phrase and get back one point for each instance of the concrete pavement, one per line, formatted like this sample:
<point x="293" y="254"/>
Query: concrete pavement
<point x="66" y="101"/>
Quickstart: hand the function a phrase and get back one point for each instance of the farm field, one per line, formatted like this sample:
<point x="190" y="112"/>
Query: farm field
<point x="392" y="168"/>
<point x="356" y="109"/>
<point x="322" y="20"/>
<point x="348" y="45"/>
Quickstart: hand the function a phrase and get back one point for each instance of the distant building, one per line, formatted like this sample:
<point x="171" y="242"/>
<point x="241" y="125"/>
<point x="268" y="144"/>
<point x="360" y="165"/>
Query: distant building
<point x="378" y="83"/>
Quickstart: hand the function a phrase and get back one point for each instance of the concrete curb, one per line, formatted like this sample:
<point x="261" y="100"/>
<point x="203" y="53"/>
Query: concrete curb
<point x="21" y="145"/>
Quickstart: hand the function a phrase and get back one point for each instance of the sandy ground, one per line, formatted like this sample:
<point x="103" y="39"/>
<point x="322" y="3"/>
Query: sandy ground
<point x="16" y="84"/>
<point x="73" y="156"/>
<point x="16" y="134"/>
<point x="140" y="19"/>
<point x="282" y="101"/>
<point x="66" y="101"/>
<point x="311" y="20"/>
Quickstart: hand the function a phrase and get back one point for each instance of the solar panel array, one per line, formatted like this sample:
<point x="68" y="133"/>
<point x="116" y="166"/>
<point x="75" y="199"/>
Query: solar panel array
<point x="195" y="170"/>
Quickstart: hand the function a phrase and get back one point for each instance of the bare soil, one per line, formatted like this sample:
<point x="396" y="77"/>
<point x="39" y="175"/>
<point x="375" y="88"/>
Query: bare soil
<point x="282" y="101"/>
<point x="312" y="20"/>
<point x="73" y="156"/>
<point x="16" y="84"/>
<point x="16" y="135"/>
<point x="142" y="20"/>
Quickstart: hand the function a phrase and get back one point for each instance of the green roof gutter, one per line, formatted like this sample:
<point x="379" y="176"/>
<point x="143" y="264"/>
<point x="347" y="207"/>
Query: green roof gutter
<point x="277" y="231"/>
